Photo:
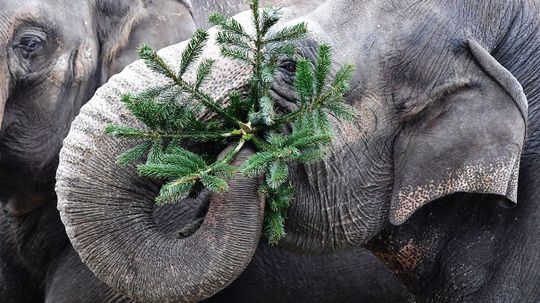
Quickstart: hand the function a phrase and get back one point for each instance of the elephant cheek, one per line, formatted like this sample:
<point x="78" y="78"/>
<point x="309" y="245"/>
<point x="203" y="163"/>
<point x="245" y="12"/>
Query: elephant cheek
<point x="73" y="77"/>
<point x="85" y="63"/>
<point x="371" y="113"/>
<point x="76" y="66"/>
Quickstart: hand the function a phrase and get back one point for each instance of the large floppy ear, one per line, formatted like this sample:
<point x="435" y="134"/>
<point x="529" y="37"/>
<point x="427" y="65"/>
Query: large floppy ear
<point x="468" y="139"/>
<point x="123" y="25"/>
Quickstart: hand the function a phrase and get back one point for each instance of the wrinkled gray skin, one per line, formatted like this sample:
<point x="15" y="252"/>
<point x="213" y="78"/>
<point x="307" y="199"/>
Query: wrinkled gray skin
<point x="446" y="140"/>
<point x="277" y="275"/>
<point x="443" y="118"/>
<point x="54" y="55"/>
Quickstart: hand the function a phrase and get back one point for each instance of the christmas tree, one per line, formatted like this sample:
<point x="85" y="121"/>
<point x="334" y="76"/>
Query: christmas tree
<point x="171" y="115"/>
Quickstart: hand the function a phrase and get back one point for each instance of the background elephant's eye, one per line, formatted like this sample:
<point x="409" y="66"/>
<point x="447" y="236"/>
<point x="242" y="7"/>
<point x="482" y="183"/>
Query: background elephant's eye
<point x="289" y="66"/>
<point x="30" y="45"/>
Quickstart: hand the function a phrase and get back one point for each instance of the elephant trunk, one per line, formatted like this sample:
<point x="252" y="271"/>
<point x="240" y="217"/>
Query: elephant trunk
<point x="107" y="210"/>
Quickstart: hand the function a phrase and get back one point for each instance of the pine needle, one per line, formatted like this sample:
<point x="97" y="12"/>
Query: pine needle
<point x="170" y="115"/>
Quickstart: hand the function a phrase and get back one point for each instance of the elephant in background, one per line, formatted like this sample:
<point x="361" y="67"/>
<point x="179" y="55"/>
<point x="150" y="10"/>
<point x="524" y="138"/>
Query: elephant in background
<point x="54" y="55"/>
<point x="439" y="176"/>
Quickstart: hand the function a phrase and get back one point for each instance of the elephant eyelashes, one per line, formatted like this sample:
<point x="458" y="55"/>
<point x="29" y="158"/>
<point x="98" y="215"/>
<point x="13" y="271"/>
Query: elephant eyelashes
<point x="30" y="44"/>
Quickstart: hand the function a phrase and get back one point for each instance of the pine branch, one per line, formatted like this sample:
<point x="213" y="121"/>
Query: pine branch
<point x="171" y="114"/>
<point x="324" y="62"/>
<point x="278" y="202"/>
<point x="154" y="61"/>
<point x="205" y="68"/>
<point x="206" y="100"/>
<point x="133" y="154"/>
<point x="214" y="183"/>
<point x="198" y="135"/>
<point x="155" y="154"/>
<point x="342" y="78"/>
<point x="233" y="39"/>
<point x="173" y="191"/>
<point x="193" y="50"/>
<point x="277" y="174"/>
<point x="230" y="25"/>
<point x="267" y="110"/>
<point x="304" y="80"/>
<point x="286" y="50"/>
<point x="295" y="32"/>
<point x="271" y="16"/>
<point x="257" y="163"/>
<point x="235" y="53"/>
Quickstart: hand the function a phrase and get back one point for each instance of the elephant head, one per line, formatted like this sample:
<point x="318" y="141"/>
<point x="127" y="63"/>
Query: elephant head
<point x="53" y="56"/>
<point x="438" y="114"/>
<point x="435" y="118"/>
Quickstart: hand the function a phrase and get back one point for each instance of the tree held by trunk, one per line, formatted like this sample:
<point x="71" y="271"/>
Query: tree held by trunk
<point x="173" y="111"/>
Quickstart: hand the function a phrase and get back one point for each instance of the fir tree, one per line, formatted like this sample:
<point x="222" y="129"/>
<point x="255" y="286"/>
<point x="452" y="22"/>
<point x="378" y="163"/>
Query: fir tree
<point x="170" y="115"/>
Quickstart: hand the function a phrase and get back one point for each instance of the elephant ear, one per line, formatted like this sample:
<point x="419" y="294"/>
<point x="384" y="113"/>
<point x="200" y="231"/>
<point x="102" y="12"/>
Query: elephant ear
<point x="123" y="25"/>
<point x="468" y="139"/>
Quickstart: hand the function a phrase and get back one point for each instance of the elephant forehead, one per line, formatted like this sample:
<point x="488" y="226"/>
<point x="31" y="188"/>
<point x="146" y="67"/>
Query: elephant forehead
<point x="71" y="15"/>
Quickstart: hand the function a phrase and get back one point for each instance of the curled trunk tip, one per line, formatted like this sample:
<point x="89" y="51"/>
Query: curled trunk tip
<point x="107" y="210"/>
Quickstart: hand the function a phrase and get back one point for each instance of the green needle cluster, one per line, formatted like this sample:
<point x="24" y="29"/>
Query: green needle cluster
<point x="169" y="146"/>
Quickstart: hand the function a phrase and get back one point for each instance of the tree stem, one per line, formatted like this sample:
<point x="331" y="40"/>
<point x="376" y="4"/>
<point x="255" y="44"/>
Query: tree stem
<point x="187" y="135"/>
<point x="230" y="156"/>
<point x="206" y="100"/>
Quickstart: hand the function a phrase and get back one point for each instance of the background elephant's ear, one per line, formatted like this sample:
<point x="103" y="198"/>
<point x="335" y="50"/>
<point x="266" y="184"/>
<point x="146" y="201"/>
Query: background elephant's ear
<point x="123" y="25"/>
<point x="467" y="139"/>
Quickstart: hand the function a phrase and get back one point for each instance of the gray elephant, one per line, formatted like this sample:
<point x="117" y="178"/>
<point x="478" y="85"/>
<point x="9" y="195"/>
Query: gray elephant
<point x="438" y="176"/>
<point x="53" y="56"/>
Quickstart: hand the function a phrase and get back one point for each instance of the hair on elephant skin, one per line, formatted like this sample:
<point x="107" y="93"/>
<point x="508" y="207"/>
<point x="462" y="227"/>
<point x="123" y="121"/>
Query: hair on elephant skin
<point x="53" y="56"/>
<point x="439" y="175"/>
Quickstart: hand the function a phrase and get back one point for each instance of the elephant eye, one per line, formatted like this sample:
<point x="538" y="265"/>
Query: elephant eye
<point x="30" y="45"/>
<point x="289" y="65"/>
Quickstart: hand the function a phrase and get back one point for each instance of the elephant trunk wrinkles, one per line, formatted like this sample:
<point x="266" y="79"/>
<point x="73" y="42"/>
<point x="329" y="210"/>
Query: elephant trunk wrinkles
<point x="107" y="210"/>
<point x="108" y="216"/>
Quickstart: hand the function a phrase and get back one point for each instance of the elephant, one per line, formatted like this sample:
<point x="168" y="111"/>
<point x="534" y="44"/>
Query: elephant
<point x="438" y="175"/>
<point x="54" y="56"/>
